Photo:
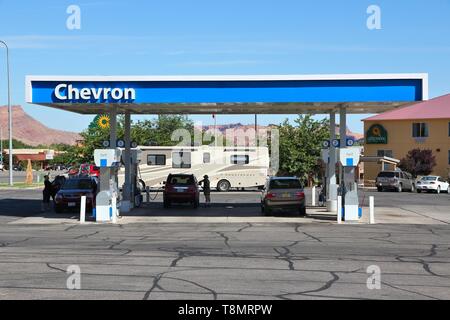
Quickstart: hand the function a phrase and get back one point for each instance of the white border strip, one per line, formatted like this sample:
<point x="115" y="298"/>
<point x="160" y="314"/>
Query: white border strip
<point x="387" y="76"/>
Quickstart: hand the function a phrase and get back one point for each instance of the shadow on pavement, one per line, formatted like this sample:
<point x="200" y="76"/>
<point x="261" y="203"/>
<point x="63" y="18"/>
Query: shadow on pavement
<point x="224" y="209"/>
<point x="22" y="208"/>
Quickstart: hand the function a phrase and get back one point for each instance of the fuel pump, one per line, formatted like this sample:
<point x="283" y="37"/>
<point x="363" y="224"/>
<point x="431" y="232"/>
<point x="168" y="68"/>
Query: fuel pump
<point x="349" y="159"/>
<point x="108" y="198"/>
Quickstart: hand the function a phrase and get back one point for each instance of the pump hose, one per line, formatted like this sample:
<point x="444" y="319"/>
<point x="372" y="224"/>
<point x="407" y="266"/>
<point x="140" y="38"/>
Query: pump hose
<point x="143" y="184"/>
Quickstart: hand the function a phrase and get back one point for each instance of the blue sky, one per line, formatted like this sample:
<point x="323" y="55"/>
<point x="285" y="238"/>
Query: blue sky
<point x="176" y="37"/>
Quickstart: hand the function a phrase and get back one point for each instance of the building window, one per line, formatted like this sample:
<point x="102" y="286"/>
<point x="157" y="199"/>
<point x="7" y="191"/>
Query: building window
<point x="449" y="129"/>
<point x="206" y="157"/>
<point x="385" y="153"/>
<point x="239" y="159"/>
<point x="420" y="130"/>
<point x="156" y="160"/>
<point x="449" y="157"/>
<point x="181" y="159"/>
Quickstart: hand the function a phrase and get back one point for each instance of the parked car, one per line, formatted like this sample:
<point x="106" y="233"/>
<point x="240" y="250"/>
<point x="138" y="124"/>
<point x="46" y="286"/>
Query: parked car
<point x="18" y="168"/>
<point x="2" y="167"/>
<point x="181" y="188"/>
<point x="69" y="196"/>
<point x="283" y="193"/>
<point x="433" y="184"/>
<point x="395" y="180"/>
<point x="72" y="171"/>
<point x="89" y="170"/>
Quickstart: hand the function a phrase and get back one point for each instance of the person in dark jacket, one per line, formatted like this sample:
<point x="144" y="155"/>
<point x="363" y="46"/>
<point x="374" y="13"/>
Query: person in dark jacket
<point x="206" y="189"/>
<point x="46" y="193"/>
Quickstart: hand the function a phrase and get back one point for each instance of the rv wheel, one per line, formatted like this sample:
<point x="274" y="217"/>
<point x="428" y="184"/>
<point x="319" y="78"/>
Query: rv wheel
<point x="223" y="185"/>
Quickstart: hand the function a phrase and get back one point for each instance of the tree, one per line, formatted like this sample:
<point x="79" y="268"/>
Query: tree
<point x="69" y="155"/>
<point x="418" y="162"/>
<point x="144" y="132"/>
<point x="159" y="131"/>
<point x="300" y="146"/>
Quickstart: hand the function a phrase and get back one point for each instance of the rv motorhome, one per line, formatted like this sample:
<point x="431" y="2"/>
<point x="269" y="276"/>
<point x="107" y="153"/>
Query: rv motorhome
<point x="227" y="167"/>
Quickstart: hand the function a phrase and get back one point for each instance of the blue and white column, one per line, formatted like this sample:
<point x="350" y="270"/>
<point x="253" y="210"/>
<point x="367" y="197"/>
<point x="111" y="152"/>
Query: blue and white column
<point x="332" y="186"/>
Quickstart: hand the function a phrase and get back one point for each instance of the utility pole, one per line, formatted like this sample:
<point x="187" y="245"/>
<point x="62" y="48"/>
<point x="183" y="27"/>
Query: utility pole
<point x="1" y="146"/>
<point x="9" y="115"/>
<point x="256" y="130"/>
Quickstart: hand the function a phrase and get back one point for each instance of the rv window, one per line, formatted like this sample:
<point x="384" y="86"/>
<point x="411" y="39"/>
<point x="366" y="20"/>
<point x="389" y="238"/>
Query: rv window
<point x="156" y="160"/>
<point x="239" y="159"/>
<point x="181" y="159"/>
<point x="206" y="157"/>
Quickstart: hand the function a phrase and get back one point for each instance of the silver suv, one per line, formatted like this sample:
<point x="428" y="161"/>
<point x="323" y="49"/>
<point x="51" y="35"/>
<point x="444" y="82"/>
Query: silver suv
<point x="283" y="193"/>
<point x="395" y="180"/>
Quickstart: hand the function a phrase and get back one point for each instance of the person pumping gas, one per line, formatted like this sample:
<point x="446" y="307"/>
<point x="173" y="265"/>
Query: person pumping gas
<point x="206" y="185"/>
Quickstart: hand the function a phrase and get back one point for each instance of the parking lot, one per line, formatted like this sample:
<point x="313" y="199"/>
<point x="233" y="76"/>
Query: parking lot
<point x="232" y="256"/>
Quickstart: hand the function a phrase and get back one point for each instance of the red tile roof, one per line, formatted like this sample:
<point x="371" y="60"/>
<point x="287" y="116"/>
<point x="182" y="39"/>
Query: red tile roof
<point x="32" y="157"/>
<point x="437" y="108"/>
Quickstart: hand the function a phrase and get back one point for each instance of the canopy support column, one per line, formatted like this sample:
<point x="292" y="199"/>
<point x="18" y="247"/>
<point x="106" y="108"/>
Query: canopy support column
<point x="113" y="127"/>
<point x="331" y="167"/>
<point x="343" y="126"/>
<point x="127" y="189"/>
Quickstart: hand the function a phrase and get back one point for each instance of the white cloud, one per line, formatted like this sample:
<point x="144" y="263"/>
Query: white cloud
<point x="222" y="63"/>
<point x="68" y="41"/>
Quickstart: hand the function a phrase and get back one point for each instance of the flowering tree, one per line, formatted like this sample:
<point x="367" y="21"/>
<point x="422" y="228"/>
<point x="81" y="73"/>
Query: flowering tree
<point x="418" y="162"/>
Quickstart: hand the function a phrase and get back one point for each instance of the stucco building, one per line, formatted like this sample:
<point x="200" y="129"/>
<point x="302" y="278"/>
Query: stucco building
<point x="424" y="125"/>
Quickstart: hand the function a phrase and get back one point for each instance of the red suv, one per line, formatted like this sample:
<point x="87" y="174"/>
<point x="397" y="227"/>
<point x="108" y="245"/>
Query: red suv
<point x="69" y="196"/>
<point x="181" y="188"/>
<point x="87" y="169"/>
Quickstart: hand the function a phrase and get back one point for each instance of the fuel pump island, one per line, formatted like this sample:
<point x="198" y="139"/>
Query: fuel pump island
<point x="108" y="197"/>
<point x="109" y="201"/>
<point x="348" y="158"/>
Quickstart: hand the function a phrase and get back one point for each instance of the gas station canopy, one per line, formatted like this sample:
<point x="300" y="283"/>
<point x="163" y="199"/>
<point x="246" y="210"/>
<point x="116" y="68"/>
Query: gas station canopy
<point x="272" y="94"/>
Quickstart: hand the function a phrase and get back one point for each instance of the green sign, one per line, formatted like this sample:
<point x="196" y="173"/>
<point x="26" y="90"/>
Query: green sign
<point x="101" y="121"/>
<point x="376" y="134"/>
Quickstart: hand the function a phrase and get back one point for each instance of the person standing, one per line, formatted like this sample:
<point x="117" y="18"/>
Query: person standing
<point x="46" y="193"/>
<point x="206" y="189"/>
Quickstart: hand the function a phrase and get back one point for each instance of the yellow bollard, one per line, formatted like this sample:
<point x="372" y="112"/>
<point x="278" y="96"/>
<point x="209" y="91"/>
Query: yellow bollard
<point x="29" y="178"/>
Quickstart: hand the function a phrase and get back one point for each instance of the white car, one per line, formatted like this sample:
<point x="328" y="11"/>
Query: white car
<point x="432" y="184"/>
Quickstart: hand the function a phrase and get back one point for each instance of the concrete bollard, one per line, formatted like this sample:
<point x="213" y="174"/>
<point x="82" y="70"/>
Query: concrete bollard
<point x="313" y="196"/>
<point x="339" y="209"/>
<point x="371" y="210"/>
<point x="114" y="209"/>
<point x="83" y="209"/>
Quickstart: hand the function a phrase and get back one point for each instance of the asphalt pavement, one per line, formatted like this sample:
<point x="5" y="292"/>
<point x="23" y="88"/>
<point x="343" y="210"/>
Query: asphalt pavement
<point x="224" y="261"/>
<point x="20" y="176"/>
<point x="247" y="260"/>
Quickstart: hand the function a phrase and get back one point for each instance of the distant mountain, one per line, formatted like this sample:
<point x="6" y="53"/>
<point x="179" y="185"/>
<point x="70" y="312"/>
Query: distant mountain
<point x="356" y="136"/>
<point x="32" y="132"/>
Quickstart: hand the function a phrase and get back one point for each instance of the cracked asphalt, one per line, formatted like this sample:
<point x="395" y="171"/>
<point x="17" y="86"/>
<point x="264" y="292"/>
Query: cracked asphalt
<point x="223" y="260"/>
